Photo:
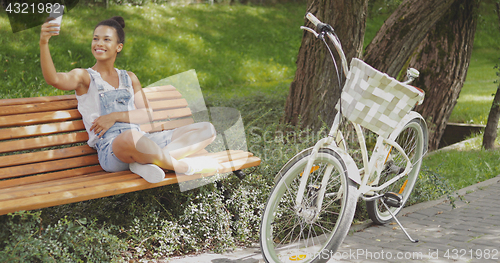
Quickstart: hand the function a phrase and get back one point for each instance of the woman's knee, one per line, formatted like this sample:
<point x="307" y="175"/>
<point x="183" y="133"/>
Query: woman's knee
<point x="131" y="141"/>
<point x="208" y="129"/>
<point x="201" y="131"/>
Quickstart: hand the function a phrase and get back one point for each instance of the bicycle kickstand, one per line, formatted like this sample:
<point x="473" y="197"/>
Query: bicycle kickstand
<point x="394" y="200"/>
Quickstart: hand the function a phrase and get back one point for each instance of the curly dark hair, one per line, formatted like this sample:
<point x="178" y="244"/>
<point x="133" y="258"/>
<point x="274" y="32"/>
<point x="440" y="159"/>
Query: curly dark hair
<point x="118" y="23"/>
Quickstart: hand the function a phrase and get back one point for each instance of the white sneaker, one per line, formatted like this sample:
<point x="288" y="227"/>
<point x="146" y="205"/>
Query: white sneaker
<point x="202" y="164"/>
<point x="150" y="172"/>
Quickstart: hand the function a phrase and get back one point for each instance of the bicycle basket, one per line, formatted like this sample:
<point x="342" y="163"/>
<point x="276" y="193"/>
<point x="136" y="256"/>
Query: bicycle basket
<point x="375" y="100"/>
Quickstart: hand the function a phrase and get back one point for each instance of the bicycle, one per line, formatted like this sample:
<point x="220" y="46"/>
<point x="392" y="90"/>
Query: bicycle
<point x="312" y="205"/>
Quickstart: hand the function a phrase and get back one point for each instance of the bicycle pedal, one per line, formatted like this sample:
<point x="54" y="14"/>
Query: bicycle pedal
<point x="393" y="199"/>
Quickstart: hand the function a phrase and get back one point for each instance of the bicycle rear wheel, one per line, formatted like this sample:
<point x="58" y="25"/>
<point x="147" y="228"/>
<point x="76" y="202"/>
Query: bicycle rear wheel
<point x="413" y="140"/>
<point x="288" y="235"/>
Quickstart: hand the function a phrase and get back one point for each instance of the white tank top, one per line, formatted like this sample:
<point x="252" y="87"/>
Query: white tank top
<point x="89" y="103"/>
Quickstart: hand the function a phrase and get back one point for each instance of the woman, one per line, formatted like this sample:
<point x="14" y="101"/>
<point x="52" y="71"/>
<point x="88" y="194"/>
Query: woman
<point x="112" y="102"/>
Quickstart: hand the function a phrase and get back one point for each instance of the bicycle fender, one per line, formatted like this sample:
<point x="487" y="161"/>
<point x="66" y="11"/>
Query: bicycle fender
<point x="280" y="173"/>
<point x="410" y="116"/>
<point x="352" y="168"/>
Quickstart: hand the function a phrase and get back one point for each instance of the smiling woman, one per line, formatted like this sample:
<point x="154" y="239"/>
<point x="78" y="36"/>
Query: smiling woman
<point x="113" y="105"/>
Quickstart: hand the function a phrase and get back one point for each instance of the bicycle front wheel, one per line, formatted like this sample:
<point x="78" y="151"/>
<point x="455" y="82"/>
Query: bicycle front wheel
<point x="413" y="140"/>
<point x="291" y="233"/>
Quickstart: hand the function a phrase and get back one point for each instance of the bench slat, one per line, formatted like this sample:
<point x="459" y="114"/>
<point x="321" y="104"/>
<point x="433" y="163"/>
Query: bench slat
<point x="59" y="175"/>
<point x="41" y="156"/>
<point x="163" y="95"/>
<point x="159" y="88"/>
<point x="172" y="104"/>
<point x="41" y="129"/>
<point x="92" y="192"/>
<point x="41" y="142"/>
<point x="38" y="118"/>
<point x="171" y="114"/>
<point x="18" y="190"/>
<point x="57" y="165"/>
<point x="68" y="185"/>
<point x="21" y="101"/>
<point x="38" y="107"/>
<point x="169" y="125"/>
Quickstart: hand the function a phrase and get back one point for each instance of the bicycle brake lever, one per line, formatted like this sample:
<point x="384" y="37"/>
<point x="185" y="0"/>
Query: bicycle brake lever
<point x="323" y="27"/>
<point x="310" y="30"/>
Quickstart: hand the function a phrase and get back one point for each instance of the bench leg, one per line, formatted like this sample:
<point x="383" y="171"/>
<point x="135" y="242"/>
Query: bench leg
<point x="240" y="174"/>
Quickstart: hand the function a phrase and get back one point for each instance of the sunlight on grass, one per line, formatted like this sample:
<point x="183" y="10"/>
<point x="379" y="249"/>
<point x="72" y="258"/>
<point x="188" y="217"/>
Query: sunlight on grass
<point x="464" y="168"/>
<point x="476" y="96"/>
<point x="228" y="46"/>
<point x="474" y="103"/>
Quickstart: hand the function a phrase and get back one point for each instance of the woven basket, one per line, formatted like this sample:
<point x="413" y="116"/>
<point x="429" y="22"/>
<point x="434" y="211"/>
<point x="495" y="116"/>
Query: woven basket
<point x="375" y="100"/>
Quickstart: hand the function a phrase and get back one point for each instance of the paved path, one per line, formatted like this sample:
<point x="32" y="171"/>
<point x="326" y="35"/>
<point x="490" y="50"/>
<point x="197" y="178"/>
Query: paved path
<point x="468" y="233"/>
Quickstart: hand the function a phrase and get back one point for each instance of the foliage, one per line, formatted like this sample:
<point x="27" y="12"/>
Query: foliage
<point x="430" y="185"/>
<point x="66" y="241"/>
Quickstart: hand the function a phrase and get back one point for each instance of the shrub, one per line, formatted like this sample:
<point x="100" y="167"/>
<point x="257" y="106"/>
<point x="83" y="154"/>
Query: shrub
<point x="67" y="241"/>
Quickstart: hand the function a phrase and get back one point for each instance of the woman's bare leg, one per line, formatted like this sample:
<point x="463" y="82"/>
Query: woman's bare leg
<point x="132" y="146"/>
<point x="190" y="139"/>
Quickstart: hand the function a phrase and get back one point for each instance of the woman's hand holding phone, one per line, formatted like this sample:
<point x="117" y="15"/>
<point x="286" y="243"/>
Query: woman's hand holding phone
<point x="52" y="25"/>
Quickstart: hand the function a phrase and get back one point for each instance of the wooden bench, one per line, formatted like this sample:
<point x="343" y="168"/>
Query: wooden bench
<point x="45" y="160"/>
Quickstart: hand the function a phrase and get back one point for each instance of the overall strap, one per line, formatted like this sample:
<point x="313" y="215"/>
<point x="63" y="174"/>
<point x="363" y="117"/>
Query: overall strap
<point x="94" y="76"/>
<point x="127" y="82"/>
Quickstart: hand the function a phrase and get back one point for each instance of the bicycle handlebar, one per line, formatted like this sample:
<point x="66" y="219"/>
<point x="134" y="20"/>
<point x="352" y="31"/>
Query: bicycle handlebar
<point x="328" y="30"/>
<point x="313" y="19"/>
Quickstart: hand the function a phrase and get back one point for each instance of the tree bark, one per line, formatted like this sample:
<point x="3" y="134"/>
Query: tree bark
<point x="314" y="91"/>
<point x="491" y="130"/>
<point x="402" y="32"/>
<point x="443" y="59"/>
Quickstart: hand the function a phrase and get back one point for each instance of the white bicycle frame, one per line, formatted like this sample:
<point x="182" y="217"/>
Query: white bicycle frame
<point x="370" y="166"/>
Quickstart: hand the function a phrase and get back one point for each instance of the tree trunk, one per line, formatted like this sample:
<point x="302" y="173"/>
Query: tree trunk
<point x="491" y="130"/>
<point x="402" y="32"/>
<point x="443" y="59"/>
<point x="314" y="91"/>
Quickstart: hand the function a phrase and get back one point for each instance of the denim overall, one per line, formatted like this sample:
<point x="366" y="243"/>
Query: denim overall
<point x="118" y="100"/>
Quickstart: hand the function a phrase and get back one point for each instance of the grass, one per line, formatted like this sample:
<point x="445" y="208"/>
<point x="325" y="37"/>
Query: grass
<point x="235" y="50"/>
<point x="464" y="168"/>
<point x="475" y="99"/>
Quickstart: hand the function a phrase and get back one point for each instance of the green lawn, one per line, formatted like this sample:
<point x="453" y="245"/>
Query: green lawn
<point x="476" y="97"/>
<point x="235" y="50"/>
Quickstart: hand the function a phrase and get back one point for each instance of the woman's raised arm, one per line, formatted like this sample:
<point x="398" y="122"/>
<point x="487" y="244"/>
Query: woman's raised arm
<point x="73" y="80"/>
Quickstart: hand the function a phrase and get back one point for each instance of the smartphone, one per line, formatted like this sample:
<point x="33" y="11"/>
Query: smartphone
<point x="57" y="12"/>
